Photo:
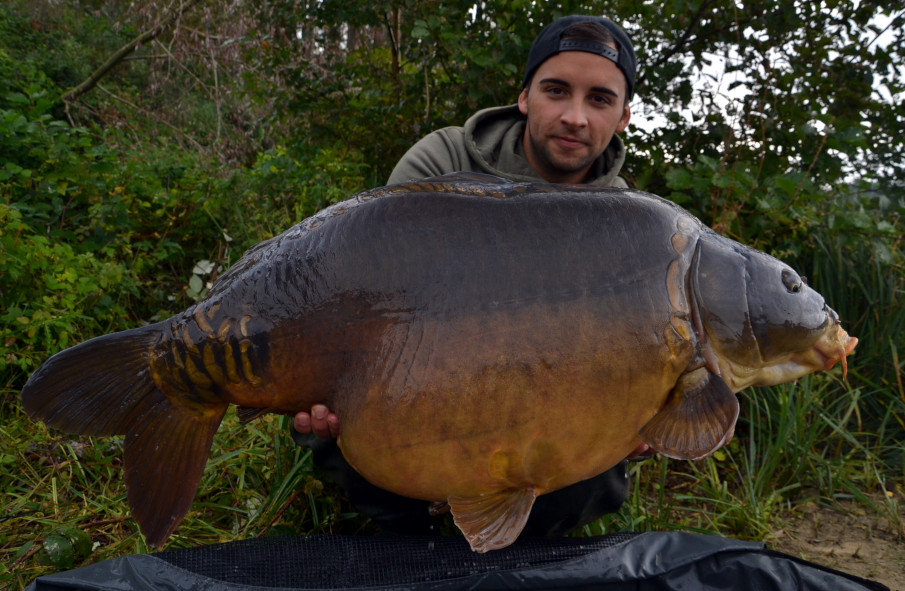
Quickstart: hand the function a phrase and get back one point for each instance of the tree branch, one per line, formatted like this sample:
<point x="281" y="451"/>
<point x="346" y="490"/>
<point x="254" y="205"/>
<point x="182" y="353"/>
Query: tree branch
<point x="74" y="93"/>
<point x="680" y="44"/>
<point x="147" y="113"/>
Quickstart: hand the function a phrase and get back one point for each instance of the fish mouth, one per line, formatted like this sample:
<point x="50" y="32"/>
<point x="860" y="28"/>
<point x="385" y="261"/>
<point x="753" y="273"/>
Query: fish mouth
<point x="833" y="346"/>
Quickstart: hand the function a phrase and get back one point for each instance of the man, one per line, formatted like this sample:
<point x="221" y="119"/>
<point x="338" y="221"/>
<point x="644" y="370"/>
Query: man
<point x="575" y="98"/>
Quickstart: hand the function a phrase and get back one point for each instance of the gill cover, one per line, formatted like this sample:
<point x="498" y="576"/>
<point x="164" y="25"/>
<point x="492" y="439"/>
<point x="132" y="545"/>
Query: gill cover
<point x="754" y="307"/>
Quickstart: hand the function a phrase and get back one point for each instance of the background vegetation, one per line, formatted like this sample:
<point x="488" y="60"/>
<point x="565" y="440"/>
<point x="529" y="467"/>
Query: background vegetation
<point x="777" y="122"/>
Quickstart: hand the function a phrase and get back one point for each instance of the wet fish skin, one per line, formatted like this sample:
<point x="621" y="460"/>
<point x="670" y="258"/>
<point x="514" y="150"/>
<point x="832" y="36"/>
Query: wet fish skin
<point x="483" y="342"/>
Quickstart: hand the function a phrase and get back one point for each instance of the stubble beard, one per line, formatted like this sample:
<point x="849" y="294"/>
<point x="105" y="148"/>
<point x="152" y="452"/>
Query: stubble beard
<point x="552" y="162"/>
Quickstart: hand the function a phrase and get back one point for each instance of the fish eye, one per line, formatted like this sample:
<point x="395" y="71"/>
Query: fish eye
<point x="791" y="280"/>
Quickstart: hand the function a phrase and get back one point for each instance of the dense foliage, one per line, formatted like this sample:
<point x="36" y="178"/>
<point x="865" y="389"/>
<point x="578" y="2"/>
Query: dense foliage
<point x="777" y="121"/>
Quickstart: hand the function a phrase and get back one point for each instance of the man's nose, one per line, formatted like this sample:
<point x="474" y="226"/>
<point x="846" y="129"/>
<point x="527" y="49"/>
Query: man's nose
<point x="574" y="114"/>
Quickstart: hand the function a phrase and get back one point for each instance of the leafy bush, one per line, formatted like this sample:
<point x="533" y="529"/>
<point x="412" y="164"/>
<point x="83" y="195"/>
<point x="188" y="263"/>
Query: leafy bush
<point x="97" y="238"/>
<point x="91" y="236"/>
<point x="53" y="296"/>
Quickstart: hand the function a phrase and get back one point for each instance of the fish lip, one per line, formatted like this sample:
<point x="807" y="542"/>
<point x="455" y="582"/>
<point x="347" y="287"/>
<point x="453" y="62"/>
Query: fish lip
<point x="827" y="359"/>
<point x="834" y="346"/>
<point x="838" y="347"/>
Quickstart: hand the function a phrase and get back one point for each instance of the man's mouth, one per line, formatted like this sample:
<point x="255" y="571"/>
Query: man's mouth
<point x="569" y="142"/>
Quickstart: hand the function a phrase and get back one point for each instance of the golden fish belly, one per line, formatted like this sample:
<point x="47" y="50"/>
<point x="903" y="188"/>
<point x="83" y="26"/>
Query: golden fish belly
<point x="479" y="406"/>
<point x="465" y="447"/>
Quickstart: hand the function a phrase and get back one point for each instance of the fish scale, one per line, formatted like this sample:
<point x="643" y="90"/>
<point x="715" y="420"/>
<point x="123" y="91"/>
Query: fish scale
<point x="202" y="353"/>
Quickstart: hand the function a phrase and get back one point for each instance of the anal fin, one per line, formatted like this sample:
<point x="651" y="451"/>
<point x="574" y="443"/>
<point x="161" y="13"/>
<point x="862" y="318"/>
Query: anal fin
<point x="494" y="520"/>
<point x="698" y="418"/>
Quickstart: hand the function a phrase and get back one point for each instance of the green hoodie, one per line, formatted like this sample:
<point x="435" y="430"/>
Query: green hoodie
<point x="491" y="142"/>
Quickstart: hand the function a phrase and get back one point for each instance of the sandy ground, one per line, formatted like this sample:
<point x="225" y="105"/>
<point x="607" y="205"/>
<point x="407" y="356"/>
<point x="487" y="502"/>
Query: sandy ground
<point x="849" y="541"/>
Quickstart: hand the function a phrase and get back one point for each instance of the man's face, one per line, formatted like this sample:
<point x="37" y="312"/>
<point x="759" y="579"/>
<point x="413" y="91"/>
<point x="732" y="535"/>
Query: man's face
<point x="574" y="104"/>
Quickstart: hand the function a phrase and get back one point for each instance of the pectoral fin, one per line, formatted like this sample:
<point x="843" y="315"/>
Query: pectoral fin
<point x="494" y="520"/>
<point x="698" y="418"/>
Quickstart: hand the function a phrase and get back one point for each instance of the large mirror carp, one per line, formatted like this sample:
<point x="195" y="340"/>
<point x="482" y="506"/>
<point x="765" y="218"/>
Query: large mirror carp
<point x="482" y="341"/>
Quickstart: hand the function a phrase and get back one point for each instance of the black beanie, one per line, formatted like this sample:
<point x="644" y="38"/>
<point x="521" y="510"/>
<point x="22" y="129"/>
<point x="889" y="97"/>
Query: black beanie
<point x="548" y="44"/>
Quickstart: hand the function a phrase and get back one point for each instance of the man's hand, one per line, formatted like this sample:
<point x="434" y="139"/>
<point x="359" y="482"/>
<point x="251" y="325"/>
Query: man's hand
<point x="641" y="452"/>
<point x="319" y="421"/>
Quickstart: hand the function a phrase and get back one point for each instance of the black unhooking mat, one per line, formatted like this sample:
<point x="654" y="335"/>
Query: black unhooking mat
<point x="622" y="562"/>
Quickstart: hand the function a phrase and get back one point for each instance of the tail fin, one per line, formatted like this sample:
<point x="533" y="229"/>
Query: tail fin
<point x="104" y="387"/>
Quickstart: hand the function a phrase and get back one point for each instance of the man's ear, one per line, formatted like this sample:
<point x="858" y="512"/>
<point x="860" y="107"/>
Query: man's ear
<point x="626" y="116"/>
<point x="523" y="101"/>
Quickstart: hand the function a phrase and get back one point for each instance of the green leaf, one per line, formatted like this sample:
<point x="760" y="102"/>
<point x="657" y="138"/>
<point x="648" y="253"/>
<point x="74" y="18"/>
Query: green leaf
<point x="80" y="540"/>
<point x="724" y="181"/>
<point x="56" y="551"/>
<point x="679" y="179"/>
<point x="787" y="185"/>
<point x="23" y="550"/>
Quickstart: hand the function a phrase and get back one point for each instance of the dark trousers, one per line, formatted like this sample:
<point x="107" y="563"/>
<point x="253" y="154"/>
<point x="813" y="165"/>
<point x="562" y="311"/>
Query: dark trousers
<point x="554" y="514"/>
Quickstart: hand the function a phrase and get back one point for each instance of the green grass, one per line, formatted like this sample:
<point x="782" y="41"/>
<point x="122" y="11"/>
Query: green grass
<point x="257" y="483"/>
<point x="795" y="445"/>
<point x="132" y="214"/>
